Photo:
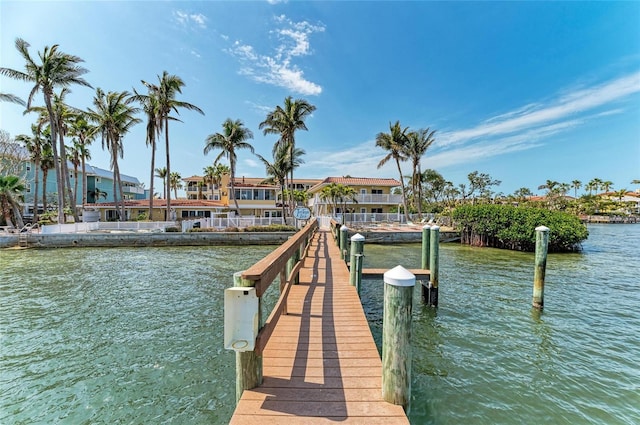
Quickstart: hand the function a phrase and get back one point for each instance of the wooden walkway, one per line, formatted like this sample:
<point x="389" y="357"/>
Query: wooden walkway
<point x="321" y="364"/>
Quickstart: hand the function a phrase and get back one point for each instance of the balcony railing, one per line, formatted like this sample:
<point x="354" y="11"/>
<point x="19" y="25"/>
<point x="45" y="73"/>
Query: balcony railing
<point x="365" y="198"/>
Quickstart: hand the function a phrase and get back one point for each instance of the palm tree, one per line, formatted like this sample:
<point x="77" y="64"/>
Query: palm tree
<point x="176" y="182"/>
<point x="35" y="144"/>
<point x="46" y="164"/>
<point x="11" y="189"/>
<point x="277" y="171"/>
<point x="550" y="185"/>
<point x="285" y="121"/>
<point x="232" y="138"/>
<point x="57" y="69"/>
<point x="161" y="173"/>
<point x="150" y="107"/>
<point x="169" y="86"/>
<point x="607" y="185"/>
<point x="114" y="118"/>
<point x="595" y="184"/>
<point x="331" y="193"/>
<point x="97" y="193"/>
<point x="417" y="145"/>
<point x="395" y="142"/>
<point x="576" y="184"/>
<point x="86" y="133"/>
<point x="74" y="156"/>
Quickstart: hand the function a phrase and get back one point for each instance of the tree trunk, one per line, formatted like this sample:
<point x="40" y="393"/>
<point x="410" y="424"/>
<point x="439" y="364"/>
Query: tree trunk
<point x="168" y="176"/>
<point x="66" y="181"/>
<point x="35" y="192"/>
<point x="153" y="166"/>
<point x="404" y="193"/>
<point x="56" y="157"/>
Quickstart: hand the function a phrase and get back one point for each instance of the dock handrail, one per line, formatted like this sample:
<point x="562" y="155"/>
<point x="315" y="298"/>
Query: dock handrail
<point x="264" y="272"/>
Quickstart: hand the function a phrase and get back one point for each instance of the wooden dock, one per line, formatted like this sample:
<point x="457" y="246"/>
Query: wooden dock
<point x="320" y="364"/>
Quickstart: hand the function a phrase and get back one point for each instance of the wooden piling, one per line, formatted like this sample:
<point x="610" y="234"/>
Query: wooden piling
<point x="430" y="292"/>
<point x="355" y="271"/>
<point x="344" y="235"/>
<point x="542" y="244"/>
<point x="425" y="246"/>
<point x="248" y="364"/>
<point x="396" y="336"/>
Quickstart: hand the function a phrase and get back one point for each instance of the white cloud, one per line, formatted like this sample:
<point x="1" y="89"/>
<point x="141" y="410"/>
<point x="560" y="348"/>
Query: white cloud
<point x="530" y="116"/>
<point x="278" y="69"/>
<point x="188" y="19"/>
<point x="525" y="128"/>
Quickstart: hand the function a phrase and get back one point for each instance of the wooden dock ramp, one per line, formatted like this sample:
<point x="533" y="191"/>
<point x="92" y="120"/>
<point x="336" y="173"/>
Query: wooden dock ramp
<point x="321" y="364"/>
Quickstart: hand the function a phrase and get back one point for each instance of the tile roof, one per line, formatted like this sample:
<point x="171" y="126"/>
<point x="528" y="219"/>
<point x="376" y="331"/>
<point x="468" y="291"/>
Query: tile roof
<point x="162" y="203"/>
<point x="356" y="181"/>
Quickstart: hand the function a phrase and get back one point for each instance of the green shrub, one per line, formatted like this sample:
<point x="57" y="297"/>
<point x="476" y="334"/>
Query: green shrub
<point x="505" y="226"/>
<point x="172" y="229"/>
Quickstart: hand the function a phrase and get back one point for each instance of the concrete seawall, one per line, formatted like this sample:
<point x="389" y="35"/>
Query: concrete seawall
<point x="78" y="240"/>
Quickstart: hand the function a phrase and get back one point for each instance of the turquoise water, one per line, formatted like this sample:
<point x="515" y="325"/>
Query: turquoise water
<point x="134" y="336"/>
<point x="485" y="357"/>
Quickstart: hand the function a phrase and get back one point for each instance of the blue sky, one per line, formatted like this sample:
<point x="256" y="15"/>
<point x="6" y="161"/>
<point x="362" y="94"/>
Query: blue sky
<point x="526" y="92"/>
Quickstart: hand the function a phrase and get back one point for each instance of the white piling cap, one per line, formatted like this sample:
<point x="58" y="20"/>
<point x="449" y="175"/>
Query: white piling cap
<point x="426" y="226"/>
<point x="357" y="238"/>
<point x="399" y="276"/>
<point x="435" y="227"/>
<point x="343" y="228"/>
<point x="542" y="229"/>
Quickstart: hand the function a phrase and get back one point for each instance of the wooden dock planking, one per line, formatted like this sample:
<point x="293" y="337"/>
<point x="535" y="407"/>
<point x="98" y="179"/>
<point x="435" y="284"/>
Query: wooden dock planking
<point x="321" y="364"/>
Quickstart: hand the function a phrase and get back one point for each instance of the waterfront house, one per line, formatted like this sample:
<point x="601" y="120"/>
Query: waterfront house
<point x="374" y="199"/>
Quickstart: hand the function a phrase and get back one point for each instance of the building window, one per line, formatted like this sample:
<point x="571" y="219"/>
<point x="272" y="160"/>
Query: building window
<point x="363" y="210"/>
<point x="363" y="191"/>
<point x="97" y="179"/>
<point x="376" y="191"/>
<point x="29" y="166"/>
<point x="28" y="187"/>
<point x="376" y="210"/>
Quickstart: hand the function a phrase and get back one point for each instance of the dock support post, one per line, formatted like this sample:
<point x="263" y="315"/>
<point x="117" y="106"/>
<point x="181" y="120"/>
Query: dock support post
<point x="542" y="243"/>
<point x="248" y="364"/>
<point x="355" y="269"/>
<point x="425" y="246"/>
<point x="396" y="336"/>
<point x="430" y="293"/>
<point x="344" y="235"/>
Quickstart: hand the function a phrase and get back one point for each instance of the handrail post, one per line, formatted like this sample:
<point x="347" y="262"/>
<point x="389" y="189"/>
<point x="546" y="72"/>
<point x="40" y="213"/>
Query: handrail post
<point x="248" y="364"/>
<point x="542" y="242"/>
<point x="344" y="234"/>
<point x="434" y="261"/>
<point x="396" y="336"/>
<point x="355" y="268"/>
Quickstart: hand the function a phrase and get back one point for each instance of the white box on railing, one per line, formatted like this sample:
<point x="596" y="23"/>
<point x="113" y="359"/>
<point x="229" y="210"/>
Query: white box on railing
<point x="240" y="318"/>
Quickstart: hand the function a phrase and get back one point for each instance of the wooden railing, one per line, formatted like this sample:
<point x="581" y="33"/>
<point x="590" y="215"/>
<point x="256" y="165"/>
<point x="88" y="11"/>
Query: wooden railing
<point x="286" y="262"/>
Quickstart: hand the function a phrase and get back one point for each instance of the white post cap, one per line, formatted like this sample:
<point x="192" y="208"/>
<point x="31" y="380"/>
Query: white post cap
<point x="435" y="227"/>
<point x="542" y="229"/>
<point x="357" y="238"/>
<point x="343" y="228"/>
<point x="426" y="226"/>
<point x="399" y="276"/>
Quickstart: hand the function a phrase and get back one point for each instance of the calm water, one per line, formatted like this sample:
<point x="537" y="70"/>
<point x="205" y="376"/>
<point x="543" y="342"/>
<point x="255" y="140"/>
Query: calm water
<point x="134" y="336"/>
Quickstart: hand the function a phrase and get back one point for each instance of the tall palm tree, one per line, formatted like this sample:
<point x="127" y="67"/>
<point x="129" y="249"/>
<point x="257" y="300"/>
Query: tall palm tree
<point x="150" y="106"/>
<point x="285" y="121"/>
<point x="395" y="143"/>
<point x="11" y="189"/>
<point x="607" y="185"/>
<point x="46" y="164"/>
<point x="232" y="138"/>
<point x="169" y="86"/>
<point x="56" y="69"/>
<point x="74" y="156"/>
<point x="114" y="117"/>
<point x="417" y="145"/>
<point x="86" y="133"/>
